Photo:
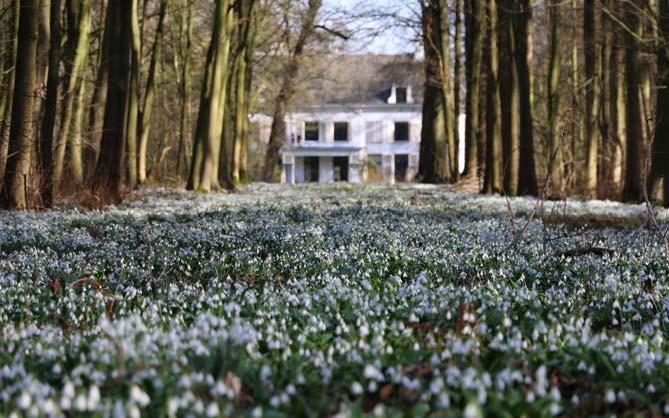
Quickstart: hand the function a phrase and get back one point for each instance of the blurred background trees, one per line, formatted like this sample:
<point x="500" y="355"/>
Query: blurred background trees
<point x="560" y="97"/>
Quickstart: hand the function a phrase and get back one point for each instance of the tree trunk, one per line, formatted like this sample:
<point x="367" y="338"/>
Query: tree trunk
<point x="527" y="182"/>
<point x="206" y="153"/>
<point x="185" y="88"/>
<point x="74" y="145"/>
<point x="76" y="54"/>
<point x="457" y="82"/>
<point x="110" y="166"/>
<point x="633" y="121"/>
<point x="474" y="17"/>
<point x="50" y="107"/>
<point x="249" y="61"/>
<point x="14" y="192"/>
<point x="43" y="43"/>
<point x="509" y="91"/>
<point x="134" y="97"/>
<point x="493" y="182"/>
<point x="145" y="115"/>
<point x="660" y="151"/>
<point x="246" y="38"/>
<point x="9" y="82"/>
<point x="287" y="90"/>
<point x="97" y="107"/>
<point x="435" y="153"/>
<point x="577" y="134"/>
<point x="592" y="95"/>
<point x="555" y="157"/>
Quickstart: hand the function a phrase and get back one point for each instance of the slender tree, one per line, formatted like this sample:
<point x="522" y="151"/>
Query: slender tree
<point x="14" y="193"/>
<point x="660" y="150"/>
<point x="555" y="153"/>
<point x="288" y="86"/>
<point x="75" y="56"/>
<point x="522" y="21"/>
<point x="50" y="106"/>
<point x="509" y="91"/>
<point x="592" y="95"/>
<point x="9" y="76"/>
<point x="185" y="80"/>
<point x="149" y="96"/>
<point x="493" y="182"/>
<point x="99" y="96"/>
<point x="474" y="17"/>
<point x="457" y="84"/>
<point x="134" y="96"/>
<point x="110" y="166"/>
<point x="633" y="121"/>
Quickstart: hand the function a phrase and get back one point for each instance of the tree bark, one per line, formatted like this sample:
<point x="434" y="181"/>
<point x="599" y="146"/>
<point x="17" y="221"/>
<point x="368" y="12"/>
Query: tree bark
<point x="207" y="143"/>
<point x="509" y="91"/>
<point x="527" y="182"/>
<point x="185" y="88"/>
<point x="435" y="153"/>
<point x="633" y="190"/>
<point x="660" y="151"/>
<point x="457" y="82"/>
<point x="78" y="12"/>
<point x="493" y="182"/>
<point x="14" y="193"/>
<point x="98" y="100"/>
<point x="474" y="18"/>
<point x="110" y="167"/>
<point x="592" y="96"/>
<point x="149" y="97"/>
<point x="50" y="106"/>
<point x="9" y="82"/>
<point x="287" y="90"/>
<point x="555" y="156"/>
<point x="134" y="97"/>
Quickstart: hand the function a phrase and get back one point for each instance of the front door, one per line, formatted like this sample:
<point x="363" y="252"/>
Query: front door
<point x="340" y="165"/>
<point x="311" y="169"/>
<point x="401" y="167"/>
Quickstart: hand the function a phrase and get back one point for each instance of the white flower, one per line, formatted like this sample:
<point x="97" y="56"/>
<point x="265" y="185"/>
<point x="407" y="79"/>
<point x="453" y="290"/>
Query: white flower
<point x="356" y="388"/>
<point x="610" y="396"/>
<point x="372" y="372"/>
<point x="212" y="410"/>
<point x="93" y="398"/>
<point x="24" y="401"/>
<point x="139" y="396"/>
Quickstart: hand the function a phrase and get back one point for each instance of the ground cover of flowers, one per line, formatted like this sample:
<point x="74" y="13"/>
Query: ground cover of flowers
<point x="332" y="301"/>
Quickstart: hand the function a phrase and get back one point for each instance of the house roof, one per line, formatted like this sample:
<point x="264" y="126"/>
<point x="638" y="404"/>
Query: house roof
<point x="364" y="79"/>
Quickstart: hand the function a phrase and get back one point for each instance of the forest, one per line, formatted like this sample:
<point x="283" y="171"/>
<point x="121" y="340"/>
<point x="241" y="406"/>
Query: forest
<point x="98" y="98"/>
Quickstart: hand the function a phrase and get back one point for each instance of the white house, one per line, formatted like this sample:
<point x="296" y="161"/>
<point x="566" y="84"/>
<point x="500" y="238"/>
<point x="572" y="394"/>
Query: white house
<point x="362" y="123"/>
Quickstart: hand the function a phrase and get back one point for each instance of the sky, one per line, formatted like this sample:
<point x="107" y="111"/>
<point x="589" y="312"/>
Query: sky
<point x="391" y="40"/>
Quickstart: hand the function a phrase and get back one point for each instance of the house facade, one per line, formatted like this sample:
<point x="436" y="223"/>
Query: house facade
<point x="366" y="126"/>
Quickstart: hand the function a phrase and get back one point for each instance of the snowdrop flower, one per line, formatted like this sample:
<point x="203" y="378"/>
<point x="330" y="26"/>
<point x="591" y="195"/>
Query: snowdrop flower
<point x="356" y="388"/>
<point x="610" y="396"/>
<point x="139" y="396"/>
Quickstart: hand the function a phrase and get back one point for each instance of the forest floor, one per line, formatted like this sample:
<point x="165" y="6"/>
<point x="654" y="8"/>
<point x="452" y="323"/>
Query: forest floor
<point x="335" y="301"/>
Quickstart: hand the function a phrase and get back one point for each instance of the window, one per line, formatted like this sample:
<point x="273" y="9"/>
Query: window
<point x="341" y="131"/>
<point x="374" y="132"/>
<point x="340" y="165"/>
<point x="401" y="167"/>
<point x="311" y="131"/>
<point x="401" y="131"/>
<point x="401" y="94"/>
<point x="311" y="169"/>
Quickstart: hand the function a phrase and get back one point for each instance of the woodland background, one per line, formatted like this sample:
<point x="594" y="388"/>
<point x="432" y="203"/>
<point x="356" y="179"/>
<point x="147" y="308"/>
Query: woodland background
<point x="98" y="97"/>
